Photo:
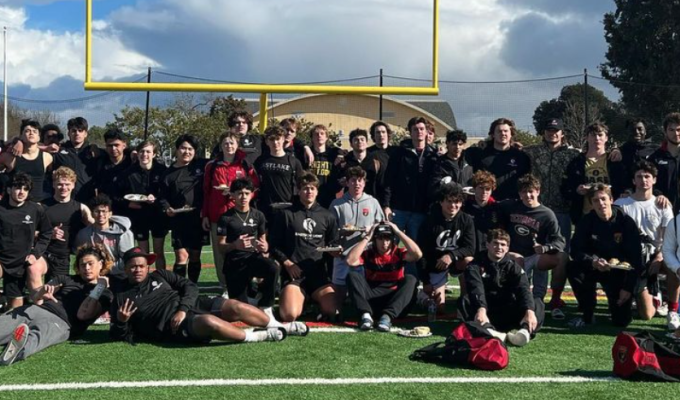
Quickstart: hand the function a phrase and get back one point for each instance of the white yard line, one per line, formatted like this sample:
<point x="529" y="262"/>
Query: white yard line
<point x="296" y="382"/>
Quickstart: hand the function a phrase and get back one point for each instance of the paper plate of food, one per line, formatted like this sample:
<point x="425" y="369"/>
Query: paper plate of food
<point x="349" y="229"/>
<point x="184" y="209"/>
<point x="329" y="249"/>
<point x="136" y="197"/>
<point x="280" y="205"/>
<point x="615" y="263"/>
<point x="417" y="332"/>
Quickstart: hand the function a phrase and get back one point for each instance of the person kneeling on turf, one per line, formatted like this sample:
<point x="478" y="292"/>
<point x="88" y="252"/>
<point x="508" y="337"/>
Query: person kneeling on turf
<point x="384" y="284"/>
<point x="64" y="307"/>
<point x="164" y="307"/>
<point x="498" y="292"/>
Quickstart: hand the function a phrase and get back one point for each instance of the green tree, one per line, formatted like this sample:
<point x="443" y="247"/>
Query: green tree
<point x="642" y="57"/>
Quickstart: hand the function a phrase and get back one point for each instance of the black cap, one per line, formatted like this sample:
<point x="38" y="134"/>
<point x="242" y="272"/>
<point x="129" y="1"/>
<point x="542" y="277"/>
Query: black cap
<point x="138" y="252"/>
<point x="553" y="124"/>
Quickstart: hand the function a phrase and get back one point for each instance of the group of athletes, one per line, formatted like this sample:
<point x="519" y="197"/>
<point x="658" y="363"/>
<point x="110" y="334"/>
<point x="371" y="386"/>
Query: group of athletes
<point x="374" y="232"/>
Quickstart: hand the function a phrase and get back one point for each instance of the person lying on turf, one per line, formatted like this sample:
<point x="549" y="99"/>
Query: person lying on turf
<point x="63" y="308"/>
<point x="161" y="306"/>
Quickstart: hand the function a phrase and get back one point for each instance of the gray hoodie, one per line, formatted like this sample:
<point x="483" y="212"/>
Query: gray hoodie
<point x="361" y="213"/>
<point x="117" y="239"/>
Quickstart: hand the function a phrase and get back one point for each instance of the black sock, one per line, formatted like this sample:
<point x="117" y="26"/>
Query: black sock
<point x="194" y="271"/>
<point x="180" y="269"/>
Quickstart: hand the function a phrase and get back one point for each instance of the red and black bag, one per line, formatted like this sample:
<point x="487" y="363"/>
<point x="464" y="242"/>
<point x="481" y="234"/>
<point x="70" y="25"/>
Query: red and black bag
<point x="469" y="344"/>
<point x="645" y="356"/>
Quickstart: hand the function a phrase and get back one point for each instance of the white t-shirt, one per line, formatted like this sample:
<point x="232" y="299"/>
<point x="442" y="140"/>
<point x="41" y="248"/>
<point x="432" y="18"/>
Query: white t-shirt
<point x="648" y="216"/>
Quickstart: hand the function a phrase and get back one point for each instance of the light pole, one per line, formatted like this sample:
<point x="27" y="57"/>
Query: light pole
<point x="5" y="104"/>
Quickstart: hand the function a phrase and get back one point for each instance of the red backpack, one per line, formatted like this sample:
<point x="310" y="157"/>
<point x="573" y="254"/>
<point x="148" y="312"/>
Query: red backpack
<point x="469" y="344"/>
<point x="644" y="356"/>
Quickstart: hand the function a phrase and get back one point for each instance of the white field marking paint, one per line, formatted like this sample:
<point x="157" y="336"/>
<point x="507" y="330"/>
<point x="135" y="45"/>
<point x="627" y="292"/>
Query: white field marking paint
<point x="296" y="382"/>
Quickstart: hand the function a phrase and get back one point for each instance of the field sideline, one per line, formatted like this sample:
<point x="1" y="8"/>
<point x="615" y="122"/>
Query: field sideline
<point x="328" y="364"/>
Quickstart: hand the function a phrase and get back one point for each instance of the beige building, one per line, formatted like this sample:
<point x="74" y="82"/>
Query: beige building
<point x="343" y="113"/>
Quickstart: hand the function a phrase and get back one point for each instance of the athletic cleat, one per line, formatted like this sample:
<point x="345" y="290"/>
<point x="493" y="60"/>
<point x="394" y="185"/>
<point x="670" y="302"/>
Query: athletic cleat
<point x="104" y="319"/>
<point x="366" y="323"/>
<point x="673" y="320"/>
<point x="14" y="347"/>
<point x="297" y="328"/>
<point x="557" y="314"/>
<point x="578" y="323"/>
<point x="385" y="323"/>
<point x="519" y="338"/>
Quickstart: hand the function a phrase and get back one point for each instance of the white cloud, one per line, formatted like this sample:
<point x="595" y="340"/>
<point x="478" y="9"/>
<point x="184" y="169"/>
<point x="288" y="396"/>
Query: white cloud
<point x="37" y="58"/>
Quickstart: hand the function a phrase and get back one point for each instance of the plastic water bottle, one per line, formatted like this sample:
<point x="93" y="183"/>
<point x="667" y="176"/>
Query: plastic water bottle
<point x="431" y="311"/>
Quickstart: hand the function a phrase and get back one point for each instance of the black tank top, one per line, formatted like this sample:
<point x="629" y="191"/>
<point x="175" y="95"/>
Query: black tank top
<point x="36" y="170"/>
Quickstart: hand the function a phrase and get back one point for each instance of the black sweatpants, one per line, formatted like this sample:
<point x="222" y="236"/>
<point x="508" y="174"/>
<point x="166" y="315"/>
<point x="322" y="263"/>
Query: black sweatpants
<point x="393" y="301"/>
<point x="503" y="315"/>
<point x="584" y="278"/>
<point x="238" y="275"/>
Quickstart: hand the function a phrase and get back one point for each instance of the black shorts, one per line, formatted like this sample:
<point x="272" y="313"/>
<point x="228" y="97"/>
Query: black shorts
<point x="185" y="333"/>
<point x="211" y="305"/>
<point x="312" y="279"/>
<point x="150" y="222"/>
<point x="13" y="287"/>
<point x="187" y="232"/>
<point x="56" y="265"/>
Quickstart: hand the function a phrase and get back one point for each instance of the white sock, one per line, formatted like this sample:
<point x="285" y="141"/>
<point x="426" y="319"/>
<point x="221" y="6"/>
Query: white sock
<point x="273" y="322"/>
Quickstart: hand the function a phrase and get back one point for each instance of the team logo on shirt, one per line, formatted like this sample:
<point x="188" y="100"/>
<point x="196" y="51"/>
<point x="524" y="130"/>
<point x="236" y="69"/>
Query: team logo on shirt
<point x="308" y="224"/>
<point x="522" y="230"/>
<point x="447" y="241"/>
<point x="618" y="237"/>
<point x="246" y="141"/>
<point x="365" y="212"/>
<point x="512" y="163"/>
<point x="27" y="220"/>
<point x="155" y="285"/>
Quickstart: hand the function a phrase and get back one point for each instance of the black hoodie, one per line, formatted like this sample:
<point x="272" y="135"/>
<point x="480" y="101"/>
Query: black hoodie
<point x="438" y="237"/>
<point x="617" y="238"/>
<point x="407" y="178"/>
<point x="297" y="232"/>
<point x="459" y="171"/>
<point x="501" y="282"/>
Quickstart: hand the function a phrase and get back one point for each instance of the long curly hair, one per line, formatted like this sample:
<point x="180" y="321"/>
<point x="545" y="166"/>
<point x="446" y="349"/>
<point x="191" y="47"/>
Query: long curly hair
<point x="100" y="252"/>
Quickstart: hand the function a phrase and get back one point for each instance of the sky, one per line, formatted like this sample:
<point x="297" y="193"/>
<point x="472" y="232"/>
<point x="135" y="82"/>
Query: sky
<point x="307" y="40"/>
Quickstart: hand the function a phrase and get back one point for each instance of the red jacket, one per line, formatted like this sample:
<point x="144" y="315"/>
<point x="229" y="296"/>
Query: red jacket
<point x="217" y="173"/>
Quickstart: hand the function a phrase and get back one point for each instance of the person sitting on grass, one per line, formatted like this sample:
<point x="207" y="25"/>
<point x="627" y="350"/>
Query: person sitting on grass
<point x="605" y="238"/>
<point x="63" y="308"/>
<point x="383" y="288"/>
<point x="498" y="293"/>
<point x="447" y="238"/>
<point x="162" y="306"/>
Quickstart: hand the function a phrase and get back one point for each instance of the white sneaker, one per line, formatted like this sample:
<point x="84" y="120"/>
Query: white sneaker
<point x="225" y="295"/>
<point x="297" y="328"/>
<point x="519" y="338"/>
<point x="673" y="320"/>
<point x="499" y="335"/>
<point x="662" y="310"/>
<point x="275" y="334"/>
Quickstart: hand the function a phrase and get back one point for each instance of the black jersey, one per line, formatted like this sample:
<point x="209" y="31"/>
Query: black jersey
<point x="69" y="217"/>
<point x="70" y="296"/>
<point x="106" y="176"/>
<point x="277" y="179"/>
<point x="506" y="165"/>
<point x="234" y="223"/>
<point x="136" y="180"/>
<point x="157" y="299"/>
<point x="486" y="218"/>
<point x="297" y="232"/>
<point x="36" y="170"/>
<point x="18" y="226"/>
<point x="80" y="160"/>
<point x="252" y="145"/>
<point x="183" y="186"/>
